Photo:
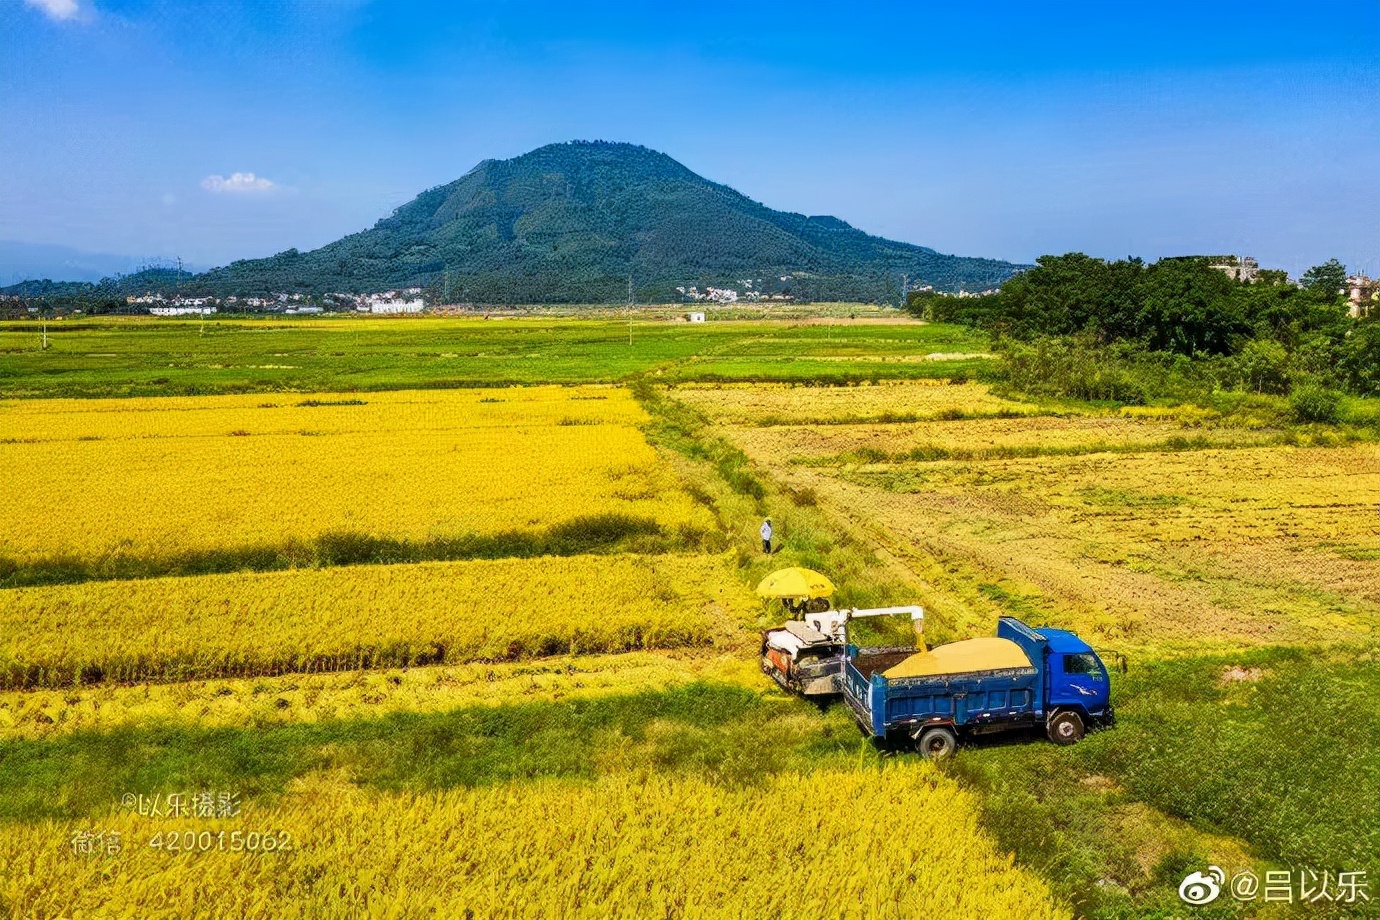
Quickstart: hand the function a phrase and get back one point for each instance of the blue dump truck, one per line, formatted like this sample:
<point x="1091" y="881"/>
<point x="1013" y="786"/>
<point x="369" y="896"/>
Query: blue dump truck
<point x="1024" y="678"/>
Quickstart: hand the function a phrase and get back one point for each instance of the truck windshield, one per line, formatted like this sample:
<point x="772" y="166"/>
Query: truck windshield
<point x="896" y="630"/>
<point x="1085" y="663"/>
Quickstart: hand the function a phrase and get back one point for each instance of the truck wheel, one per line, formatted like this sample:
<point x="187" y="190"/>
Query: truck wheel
<point x="1066" y="728"/>
<point x="937" y="743"/>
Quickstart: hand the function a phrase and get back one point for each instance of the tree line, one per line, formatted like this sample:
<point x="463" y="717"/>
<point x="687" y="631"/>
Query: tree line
<point x="1128" y="330"/>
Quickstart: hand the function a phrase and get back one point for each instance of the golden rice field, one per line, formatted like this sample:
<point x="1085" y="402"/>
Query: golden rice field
<point x="340" y="695"/>
<point x="786" y="404"/>
<point x="162" y="476"/>
<point x="362" y="616"/>
<point x="902" y="842"/>
<point x="324" y="413"/>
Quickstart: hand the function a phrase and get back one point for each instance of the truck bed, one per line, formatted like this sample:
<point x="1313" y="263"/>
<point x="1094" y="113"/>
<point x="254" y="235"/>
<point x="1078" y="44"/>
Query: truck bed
<point x="869" y="663"/>
<point x="971" y="699"/>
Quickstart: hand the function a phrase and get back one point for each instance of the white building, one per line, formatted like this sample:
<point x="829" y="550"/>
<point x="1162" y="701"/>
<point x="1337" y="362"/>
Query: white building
<point x="181" y="311"/>
<point x="713" y="294"/>
<point x="695" y="317"/>
<point x="395" y="306"/>
<point x="1244" y="268"/>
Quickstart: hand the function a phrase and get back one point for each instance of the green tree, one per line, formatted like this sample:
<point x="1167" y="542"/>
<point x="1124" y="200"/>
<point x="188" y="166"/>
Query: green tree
<point x="1068" y="294"/>
<point x="1359" y="358"/>
<point x="1328" y="278"/>
<point x="1262" y="366"/>
<point x="1189" y="308"/>
<point x="1291" y="315"/>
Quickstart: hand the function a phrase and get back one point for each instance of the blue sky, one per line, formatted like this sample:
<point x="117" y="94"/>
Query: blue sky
<point x="994" y="129"/>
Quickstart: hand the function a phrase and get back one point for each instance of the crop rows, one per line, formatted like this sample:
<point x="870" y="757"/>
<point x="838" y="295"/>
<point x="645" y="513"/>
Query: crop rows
<point x="361" y="617"/>
<point x="292" y="699"/>
<point x="902" y="842"/>
<point x="983" y="439"/>
<point x="322" y="413"/>
<point x="882" y="401"/>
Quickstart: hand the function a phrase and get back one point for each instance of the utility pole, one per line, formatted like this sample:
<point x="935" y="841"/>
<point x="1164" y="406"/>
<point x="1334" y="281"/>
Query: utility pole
<point x="630" y="306"/>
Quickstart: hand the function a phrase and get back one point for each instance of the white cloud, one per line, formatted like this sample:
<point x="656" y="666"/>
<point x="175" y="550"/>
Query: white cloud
<point x="56" y="9"/>
<point x="238" y="182"/>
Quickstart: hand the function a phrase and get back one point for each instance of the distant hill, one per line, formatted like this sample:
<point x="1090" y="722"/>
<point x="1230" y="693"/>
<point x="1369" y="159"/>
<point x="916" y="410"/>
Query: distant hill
<point x="568" y="223"/>
<point x="108" y="289"/>
<point x="63" y="263"/>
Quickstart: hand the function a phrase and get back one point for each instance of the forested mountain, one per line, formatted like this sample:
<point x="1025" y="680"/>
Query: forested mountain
<point x="571" y="222"/>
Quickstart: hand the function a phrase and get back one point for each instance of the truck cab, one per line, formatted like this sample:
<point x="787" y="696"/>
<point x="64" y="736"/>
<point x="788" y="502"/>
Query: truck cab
<point x="1074" y="678"/>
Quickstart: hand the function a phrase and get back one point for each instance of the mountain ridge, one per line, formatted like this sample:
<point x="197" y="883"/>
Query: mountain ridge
<point x="569" y="222"/>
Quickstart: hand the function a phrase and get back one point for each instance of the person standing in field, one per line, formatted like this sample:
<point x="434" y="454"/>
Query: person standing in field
<point x="766" y="536"/>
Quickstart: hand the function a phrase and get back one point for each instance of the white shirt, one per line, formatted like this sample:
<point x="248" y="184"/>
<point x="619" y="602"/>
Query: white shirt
<point x="766" y="530"/>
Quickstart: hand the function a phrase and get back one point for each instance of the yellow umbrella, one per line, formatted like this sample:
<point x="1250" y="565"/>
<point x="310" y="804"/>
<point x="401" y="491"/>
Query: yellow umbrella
<point x="795" y="582"/>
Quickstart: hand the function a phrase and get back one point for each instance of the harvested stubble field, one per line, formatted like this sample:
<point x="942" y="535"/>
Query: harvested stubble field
<point x="883" y="401"/>
<point x="981" y="439"/>
<point x="1136" y="527"/>
<point x="1250" y="545"/>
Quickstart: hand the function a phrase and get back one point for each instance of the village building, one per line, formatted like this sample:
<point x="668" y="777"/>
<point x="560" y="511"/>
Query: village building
<point x="1362" y="294"/>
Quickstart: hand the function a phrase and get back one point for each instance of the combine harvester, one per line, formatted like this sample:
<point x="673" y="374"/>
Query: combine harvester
<point x="806" y="656"/>
<point x="1023" y="678"/>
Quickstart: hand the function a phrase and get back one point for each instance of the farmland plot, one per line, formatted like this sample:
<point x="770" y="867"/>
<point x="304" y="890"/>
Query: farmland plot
<point x="1230" y="564"/>
<point x="980" y="439"/>
<point x="1145" y="526"/>
<point x="784" y="404"/>
<point x="329" y="696"/>
<point x="361" y="617"/>
<point x="1256" y="545"/>
<point x="902" y="843"/>
<point x="573" y="715"/>
<point x="182" y="478"/>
